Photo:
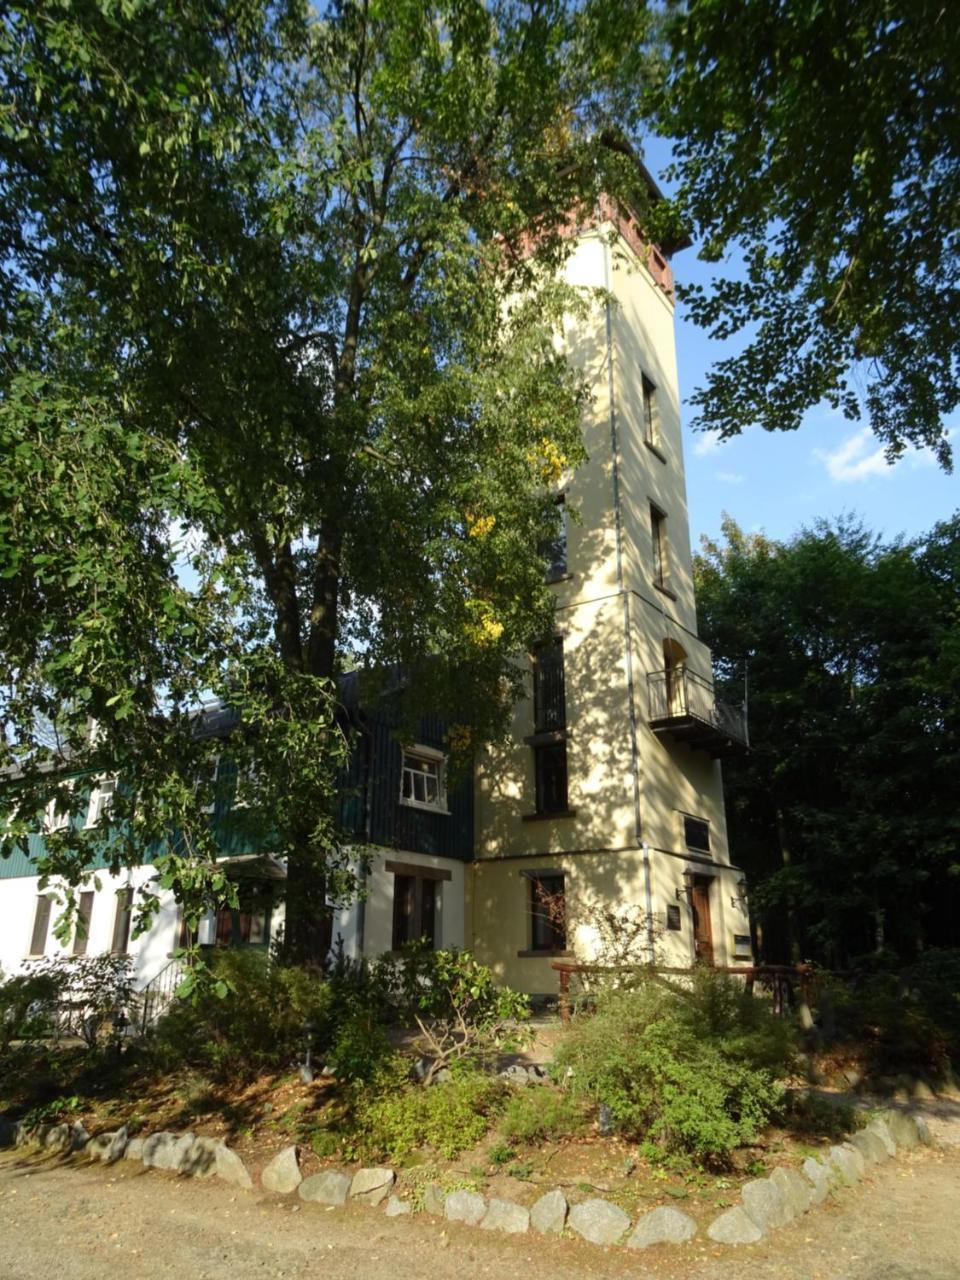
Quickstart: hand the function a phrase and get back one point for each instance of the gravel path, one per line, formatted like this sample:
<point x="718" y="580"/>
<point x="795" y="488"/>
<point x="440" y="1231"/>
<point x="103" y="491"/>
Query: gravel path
<point x="88" y="1222"/>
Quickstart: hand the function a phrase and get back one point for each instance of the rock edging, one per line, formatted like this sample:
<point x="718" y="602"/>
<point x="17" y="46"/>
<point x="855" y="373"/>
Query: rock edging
<point x="766" y="1204"/>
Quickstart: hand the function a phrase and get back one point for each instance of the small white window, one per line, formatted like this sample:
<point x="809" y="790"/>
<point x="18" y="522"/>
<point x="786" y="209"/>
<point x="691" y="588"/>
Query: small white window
<point x="211" y="804"/>
<point x="55" y="818"/>
<point x="422" y="779"/>
<point x="101" y="800"/>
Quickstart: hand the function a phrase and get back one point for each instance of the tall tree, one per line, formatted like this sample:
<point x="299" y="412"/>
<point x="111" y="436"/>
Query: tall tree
<point x="818" y="151"/>
<point x="280" y="296"/>
<point x="843" y="813"/>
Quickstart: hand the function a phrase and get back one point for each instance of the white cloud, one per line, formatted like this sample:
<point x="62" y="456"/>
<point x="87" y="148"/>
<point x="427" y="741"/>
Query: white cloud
<point x="705" y="442"/>
<point x="854" y="459"/>
<point x="728" y="477"/>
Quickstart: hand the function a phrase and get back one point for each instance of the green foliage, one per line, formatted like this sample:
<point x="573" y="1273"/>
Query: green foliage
<point x="692" y="1068"/>
<point x="810" y="151"/>
<point x="502" y="1153"/>
<point x="88" y="991"/>
<point x="258" y="1023"/>
<point x="221" y="483"/>
<point x="894" y="1031"/>
<point x="844" y="813"/>
<point x="390" y="1120"/>
<point x="462" y="1013"/>
<point x="49" y="1112"/>
<point x="26" y="1006"/>
<point x="808" y="1114"/>
<point x="359" y="1046"/>
<point x="540" y="1114"/>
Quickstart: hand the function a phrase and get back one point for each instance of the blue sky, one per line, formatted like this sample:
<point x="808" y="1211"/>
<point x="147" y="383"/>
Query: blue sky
<point x="778" y="482"/>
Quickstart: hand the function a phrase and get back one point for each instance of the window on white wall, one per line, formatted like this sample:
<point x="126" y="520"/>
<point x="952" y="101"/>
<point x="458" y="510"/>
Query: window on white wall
<point x="423" y="779"/>
<point x="41" y="925"/>
<point x="417" y="898"/>
<point x="101" y="800"/>
<point x="84" y="916"/>
<point x="121" y="922"/>
<point x="55" y="817"/>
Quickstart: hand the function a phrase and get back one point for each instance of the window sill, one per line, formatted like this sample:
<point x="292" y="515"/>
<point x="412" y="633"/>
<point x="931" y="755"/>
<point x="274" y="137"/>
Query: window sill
<point x="424" y="808"/>
<point x="553" y="579"/>
<point x="546" y="953"/>
<point x="548" y="817"/>
<point x="656" y="450"/>
<point x="659" y="586"/>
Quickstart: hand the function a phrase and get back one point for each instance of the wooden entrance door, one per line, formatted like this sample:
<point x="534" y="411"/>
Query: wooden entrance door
<point x="702" y="930"/>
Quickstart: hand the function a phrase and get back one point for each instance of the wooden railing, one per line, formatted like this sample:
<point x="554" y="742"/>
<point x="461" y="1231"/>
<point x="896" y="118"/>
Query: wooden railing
<point x="786" y="982"/>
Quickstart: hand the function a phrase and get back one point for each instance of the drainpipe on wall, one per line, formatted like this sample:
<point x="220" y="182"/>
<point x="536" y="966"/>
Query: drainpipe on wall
<point x="648" y="898"/>
<point x="625" y="599"/>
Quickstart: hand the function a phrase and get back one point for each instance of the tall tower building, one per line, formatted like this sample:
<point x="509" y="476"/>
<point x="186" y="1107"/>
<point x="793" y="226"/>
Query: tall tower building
<point x="600" y="826"/>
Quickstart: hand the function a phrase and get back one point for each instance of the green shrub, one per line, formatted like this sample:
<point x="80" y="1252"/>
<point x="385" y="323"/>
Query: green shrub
<point x="894" y="1029"/>
<point x="461" y="1011"/>
<point x="389" y="1120"/>
<point x="258" y="1023"/>
<point x="692" y="1067"/>
<point x="27" y="1003"/>
<point x="359" y="1048"/>
<point x="540" y="1114"/>
<point x="808" y="1114"/>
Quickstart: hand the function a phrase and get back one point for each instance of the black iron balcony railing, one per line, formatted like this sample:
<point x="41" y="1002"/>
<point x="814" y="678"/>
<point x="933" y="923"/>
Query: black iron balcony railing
<point x="682" y="705"/>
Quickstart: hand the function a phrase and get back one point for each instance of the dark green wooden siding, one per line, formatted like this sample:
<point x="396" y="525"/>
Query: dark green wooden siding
<point x="370" y="811"/>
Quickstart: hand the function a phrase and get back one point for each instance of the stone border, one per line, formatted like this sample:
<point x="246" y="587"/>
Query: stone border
<point x="765" y="1203"/>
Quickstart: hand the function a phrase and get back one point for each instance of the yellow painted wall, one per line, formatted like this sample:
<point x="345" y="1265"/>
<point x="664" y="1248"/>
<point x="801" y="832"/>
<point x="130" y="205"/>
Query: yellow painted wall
<point x="614" y="622"/>
<point x="499" y="905"/>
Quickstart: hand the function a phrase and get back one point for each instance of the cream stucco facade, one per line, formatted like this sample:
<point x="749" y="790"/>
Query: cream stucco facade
<point x="624" y="610"/>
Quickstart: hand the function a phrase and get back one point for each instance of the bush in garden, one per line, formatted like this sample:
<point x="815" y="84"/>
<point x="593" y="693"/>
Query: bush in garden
<point x="250" y="1018"/>
<point x="391" y="1119"/>
<point x="691" y="1067"/>
<point x="903" y="1022"/>
<point x="462" y="1013"/>
<point x="539" y="1113"/>
<point x="70" y="995"/>
<point x="27" y="1006"/>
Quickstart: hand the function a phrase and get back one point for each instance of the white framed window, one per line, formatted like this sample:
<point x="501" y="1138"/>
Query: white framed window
<point x="423" y="779"/>
<point x="101" y="800"/>
<point x="54" y="817"/>
<point x="211" y="804"/>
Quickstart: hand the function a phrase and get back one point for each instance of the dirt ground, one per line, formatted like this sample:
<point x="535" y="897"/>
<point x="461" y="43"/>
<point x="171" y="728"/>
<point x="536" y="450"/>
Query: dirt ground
<point x="89" y="1222"/>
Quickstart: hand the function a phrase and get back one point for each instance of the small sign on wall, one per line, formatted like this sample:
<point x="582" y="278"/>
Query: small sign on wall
<point x="742" y="949"/>
<point x="673" y="917"/>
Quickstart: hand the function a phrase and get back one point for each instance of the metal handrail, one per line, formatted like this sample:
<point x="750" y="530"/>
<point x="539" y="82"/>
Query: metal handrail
<point x="160" y="992"/>
<point x="679" y="692"/>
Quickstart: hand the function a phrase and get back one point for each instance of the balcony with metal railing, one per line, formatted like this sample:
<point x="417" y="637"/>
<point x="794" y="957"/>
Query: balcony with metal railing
<point x="683" y="707"/>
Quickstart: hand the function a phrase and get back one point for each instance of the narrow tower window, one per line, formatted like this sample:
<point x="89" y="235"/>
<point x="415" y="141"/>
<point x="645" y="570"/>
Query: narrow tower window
<point x="658" y="534"/>
<point x="651" y="422"/>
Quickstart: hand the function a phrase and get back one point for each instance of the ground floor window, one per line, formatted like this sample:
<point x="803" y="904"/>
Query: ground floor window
<point x="416" y="902"/>
<point x="548" y="911"/>
<point x="41" y="925"/>
<point x="246" y="925"/>
<point x="121" y="922"/>
<point x="84" y="916"/>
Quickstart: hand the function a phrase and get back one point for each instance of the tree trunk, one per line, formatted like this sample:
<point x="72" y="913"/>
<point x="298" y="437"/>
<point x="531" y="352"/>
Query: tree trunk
<point x="793" y="940"/>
